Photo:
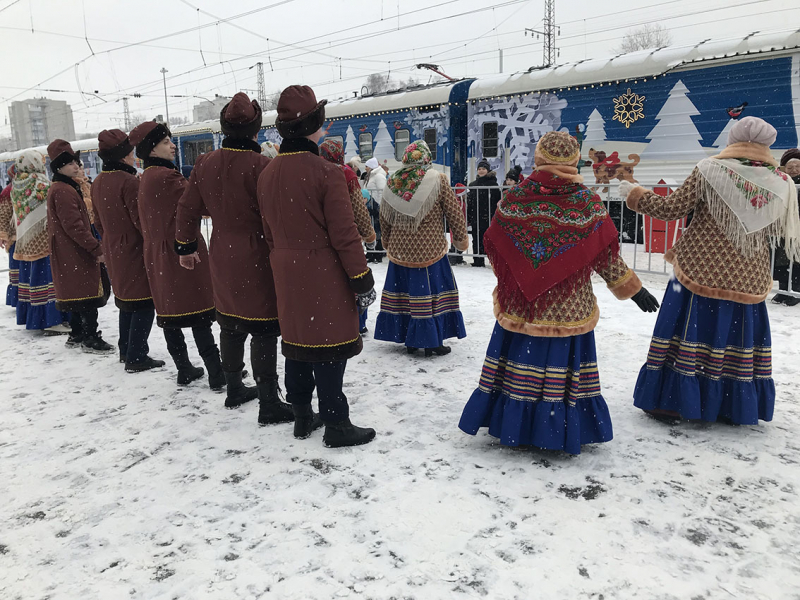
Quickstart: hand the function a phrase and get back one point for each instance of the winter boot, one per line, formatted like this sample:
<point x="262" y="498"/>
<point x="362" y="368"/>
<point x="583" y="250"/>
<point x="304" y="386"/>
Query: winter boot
<point x="74" y="340"/>
<point x="95" y="344"/>
<point x="217" y="378"/>
<point x="187" y="372"/>
<point x="238" y="393"/>
<point x="344" y="433"/>
<point x="144" y="365"/>
<point x="440" y="351"/>
<point x="305" y="421"/>
<point x="271" y="409"/>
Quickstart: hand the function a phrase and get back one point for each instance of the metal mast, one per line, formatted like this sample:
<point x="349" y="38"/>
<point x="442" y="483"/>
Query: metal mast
<point x="549" y="51"/>
<point x="262" y="92"/>
<point x="126" y="112"/>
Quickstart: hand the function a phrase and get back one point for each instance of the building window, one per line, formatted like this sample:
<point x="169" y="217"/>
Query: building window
<point x="430" y="138"/>
<point x="489" y="140"/>
<point x="365" y="146"/>
<point x="401" y="140"/>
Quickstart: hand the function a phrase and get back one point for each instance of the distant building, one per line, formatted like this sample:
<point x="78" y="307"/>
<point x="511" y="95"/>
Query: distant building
<point x="38" y="121"/>
<point x="209" y="109"/>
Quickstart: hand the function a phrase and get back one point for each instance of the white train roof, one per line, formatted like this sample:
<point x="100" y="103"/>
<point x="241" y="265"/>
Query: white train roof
<point x="89" y="145"/>
<point x="644" y="63"/>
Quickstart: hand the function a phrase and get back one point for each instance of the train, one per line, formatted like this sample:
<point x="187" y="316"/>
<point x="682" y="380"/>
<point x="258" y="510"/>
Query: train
<point x="646" y="117"/>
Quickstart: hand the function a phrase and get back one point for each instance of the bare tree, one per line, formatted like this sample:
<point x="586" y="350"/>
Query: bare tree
<point x="646" y="36"/>
<point x="271" y="101"/>
<point x="377" y="83"/>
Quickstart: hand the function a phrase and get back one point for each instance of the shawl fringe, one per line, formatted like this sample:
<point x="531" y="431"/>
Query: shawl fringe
<point x="408" y="214"/>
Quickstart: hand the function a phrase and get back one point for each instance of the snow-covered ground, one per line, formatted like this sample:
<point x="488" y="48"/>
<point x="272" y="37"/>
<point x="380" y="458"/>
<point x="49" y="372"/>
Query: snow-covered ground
<point x="125" y="486"/>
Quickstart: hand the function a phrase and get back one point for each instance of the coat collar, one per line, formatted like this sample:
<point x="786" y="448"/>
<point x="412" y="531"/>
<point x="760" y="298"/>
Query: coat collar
<point x="237" y="143"/>
<point x="154" y="161"/>
<point x="58" y="177"/>
<point x="112" y="165"/>
<point x="294" y="145"/>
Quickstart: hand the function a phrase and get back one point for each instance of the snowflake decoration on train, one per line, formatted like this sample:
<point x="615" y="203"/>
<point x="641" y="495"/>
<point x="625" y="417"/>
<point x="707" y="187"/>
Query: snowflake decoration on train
<point x="628" y="108"/>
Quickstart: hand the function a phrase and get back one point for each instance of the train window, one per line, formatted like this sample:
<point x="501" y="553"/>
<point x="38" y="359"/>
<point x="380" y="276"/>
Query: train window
<point x="365" y="145"/>
<point x="401" y="140"/>
<point x="191" y="150"/>
<point x="429" y="136"/>
<point x="489" y="140"/>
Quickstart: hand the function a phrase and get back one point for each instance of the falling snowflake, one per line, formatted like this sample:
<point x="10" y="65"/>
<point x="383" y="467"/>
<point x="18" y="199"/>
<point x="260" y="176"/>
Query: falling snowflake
<point x="628" y="108"/>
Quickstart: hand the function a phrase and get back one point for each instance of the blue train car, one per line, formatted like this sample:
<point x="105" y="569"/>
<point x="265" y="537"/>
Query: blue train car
<point x="648" y="116"/>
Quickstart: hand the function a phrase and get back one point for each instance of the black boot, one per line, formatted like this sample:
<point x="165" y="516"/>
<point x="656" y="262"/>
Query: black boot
<point x="144" y="365"/>
<point x="305" y="420"/>
<point x="238" y="393"/>
<point x="344" y="433"/>
<point x="187" y="372"/>
<point x="440" y="351"/>
<point x="95" y="344"/>
<point x="217" y="378"/>
<point x="271" y="409"/>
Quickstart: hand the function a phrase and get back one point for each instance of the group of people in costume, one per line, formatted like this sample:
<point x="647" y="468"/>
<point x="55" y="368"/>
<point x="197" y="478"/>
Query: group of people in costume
<point x="287" y="259"/>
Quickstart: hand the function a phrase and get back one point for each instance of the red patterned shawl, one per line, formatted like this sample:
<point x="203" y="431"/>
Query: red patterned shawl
<point x="546" y="238"/>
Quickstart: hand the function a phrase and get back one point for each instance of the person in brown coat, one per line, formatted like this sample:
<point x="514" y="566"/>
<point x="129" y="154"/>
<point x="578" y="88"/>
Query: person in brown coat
<point x="223" y="185"/>
<point x="116" y="211"/>
<point x="318" y="264"/>
<point x="76" y="256"/>
<point x="182" y="298"/>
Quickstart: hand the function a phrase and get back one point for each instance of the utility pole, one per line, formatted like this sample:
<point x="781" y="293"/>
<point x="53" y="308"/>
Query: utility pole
<point x="501" y="61"/>
<point x="166" y="102"/>
<point x="549" y="52"/>
<point x="262" y="92"/>
<point x="126" y="112"/>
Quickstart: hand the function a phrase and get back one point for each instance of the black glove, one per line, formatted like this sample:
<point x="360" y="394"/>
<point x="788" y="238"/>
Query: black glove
<point x="645" y="300"/>
<point x="364" y="300"/>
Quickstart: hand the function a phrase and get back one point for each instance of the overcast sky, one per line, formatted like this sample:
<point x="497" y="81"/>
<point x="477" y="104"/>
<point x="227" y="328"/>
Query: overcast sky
<point x="97" y="51"/>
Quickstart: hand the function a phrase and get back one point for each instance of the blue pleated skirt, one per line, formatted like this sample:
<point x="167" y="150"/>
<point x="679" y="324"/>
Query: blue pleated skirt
<point x="539" y="391"/>
<point x="709" y="360"/>
<point x="12" y="291"/>
<point x="36" y="303"/>
<point x="419" y="307"/>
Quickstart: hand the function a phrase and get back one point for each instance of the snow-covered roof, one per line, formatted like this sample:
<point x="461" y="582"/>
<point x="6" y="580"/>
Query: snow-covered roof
<point x="644" y="63"/>
<point x="89" y="145"/>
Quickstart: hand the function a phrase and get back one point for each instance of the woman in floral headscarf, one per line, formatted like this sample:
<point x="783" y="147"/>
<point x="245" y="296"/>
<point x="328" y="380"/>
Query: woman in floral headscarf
<point x="540" y="385"/>
<point x="332" y="151"/>
<point x="419" y="305"/>
<point x="36" y="306"/>
<point x="8" y="235"/>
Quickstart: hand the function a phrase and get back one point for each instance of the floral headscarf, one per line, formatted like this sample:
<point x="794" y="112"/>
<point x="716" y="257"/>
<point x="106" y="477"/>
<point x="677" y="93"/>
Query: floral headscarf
<point x="332" y="151"/>
<point x="411" y="191"/>
<point x="29" y="194"/>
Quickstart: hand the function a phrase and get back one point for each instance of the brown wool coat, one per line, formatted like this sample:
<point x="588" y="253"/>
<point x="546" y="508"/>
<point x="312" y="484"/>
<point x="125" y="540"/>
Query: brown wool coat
<point x="73" y="251"/>
<point x="182" y="298"/>
<point x="317" y="259"/>
<point x="223" y="185"/>
<point x="116" y="208"/>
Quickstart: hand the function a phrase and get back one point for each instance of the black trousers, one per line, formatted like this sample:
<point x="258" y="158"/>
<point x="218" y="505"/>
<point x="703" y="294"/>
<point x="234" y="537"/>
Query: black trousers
<point x="327" y="377"/>
<point x="203" y="337"/>
<point x="263" y="353"/>
<point x="84" y="323"/>
<point x="134" y="329"/>
<point x="782" y="275"/>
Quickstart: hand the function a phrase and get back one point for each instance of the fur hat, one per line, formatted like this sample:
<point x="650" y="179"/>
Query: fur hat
<point x="241" y="117"/>
<point x="299" y="113"/>
<point x="789" y="155"/>
<point x="113" y="145"/>
<point x="147" y="136"/>
<point x="61" y="154"/>
<point x="484" y="164"/>
<point x="515" y="174"/>
<point x="752" y="130"/>
<point x="557" y="148"/>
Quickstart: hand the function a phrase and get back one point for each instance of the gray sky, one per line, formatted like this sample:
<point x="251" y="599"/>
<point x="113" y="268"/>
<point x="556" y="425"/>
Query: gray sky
<point x="331" y="45"/>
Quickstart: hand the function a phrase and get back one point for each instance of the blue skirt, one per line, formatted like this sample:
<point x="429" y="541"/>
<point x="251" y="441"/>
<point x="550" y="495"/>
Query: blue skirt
<point x="36" y="305"/>
<point x="540" y="391"/>
<point x="12" y="291"/>
<point x="419" y="307"/>
<point x="709" y="359"/>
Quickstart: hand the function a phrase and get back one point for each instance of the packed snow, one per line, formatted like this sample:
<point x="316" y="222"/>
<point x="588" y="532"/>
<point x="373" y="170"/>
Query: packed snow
<point x="126" y="486"/>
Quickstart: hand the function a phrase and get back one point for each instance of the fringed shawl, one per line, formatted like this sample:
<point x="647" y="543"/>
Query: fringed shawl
<point x="752" y="203"/>
<point x="412" y="191"/>
<point x="549" y="233"/>
<point x="29" y="197"/>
